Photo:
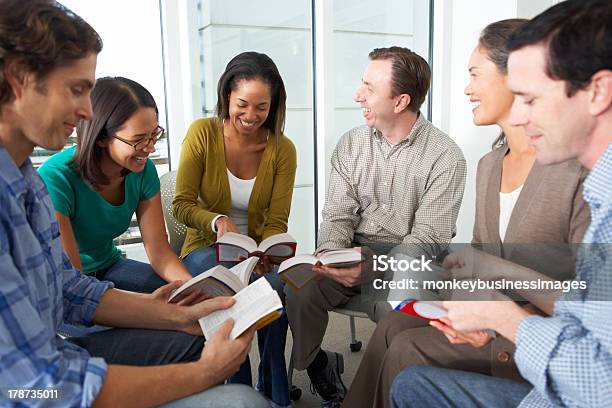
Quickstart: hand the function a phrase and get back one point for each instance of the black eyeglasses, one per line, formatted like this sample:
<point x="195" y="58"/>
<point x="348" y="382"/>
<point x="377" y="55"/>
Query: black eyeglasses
<point x="144" y="142"/>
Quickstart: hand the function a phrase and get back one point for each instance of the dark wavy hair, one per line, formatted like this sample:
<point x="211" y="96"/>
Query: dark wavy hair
<point x="113" y="102"/>
<point x="38" y="36"/>
<point x="494" y="41"/>
<point x="410" y="73"/>
<point x="578" y="37"/>
<point x="254" y="65"/>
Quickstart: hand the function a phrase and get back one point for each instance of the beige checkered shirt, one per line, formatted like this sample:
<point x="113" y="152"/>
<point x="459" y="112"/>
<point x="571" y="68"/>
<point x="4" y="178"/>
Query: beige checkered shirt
<point x="408" y="194"/>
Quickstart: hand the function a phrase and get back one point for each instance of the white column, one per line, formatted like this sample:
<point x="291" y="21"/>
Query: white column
<point x="181" y="64"/>
<point x="324" y="102"/>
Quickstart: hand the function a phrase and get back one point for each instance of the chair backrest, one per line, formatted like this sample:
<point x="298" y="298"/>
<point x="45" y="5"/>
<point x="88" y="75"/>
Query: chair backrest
<point x="176" y="229"/>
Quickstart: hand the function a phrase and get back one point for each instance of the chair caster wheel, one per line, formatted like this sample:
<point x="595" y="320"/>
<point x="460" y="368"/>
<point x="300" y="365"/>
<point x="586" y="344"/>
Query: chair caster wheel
<point x="355" y="347"/>
<point x="295" y="393"/>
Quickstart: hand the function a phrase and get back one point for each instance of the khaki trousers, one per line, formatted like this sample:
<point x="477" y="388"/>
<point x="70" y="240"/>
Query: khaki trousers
<point x="400" y="341"/>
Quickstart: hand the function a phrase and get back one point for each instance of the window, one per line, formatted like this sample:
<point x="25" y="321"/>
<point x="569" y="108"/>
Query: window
<point x="284" y="33"/>
<point x="132" y="38"/>
<point x="293" y="33"/>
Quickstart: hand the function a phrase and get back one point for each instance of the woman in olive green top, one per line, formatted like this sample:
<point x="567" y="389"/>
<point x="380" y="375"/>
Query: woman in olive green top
<point x="236" y="174"/>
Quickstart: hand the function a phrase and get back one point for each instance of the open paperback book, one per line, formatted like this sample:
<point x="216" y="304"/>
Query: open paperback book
<point x="218" y="281"/>
<point x="233" y="247"/>
<point x="257" y="304"/>
<point x="424" y="309"/>
<point x="297" y="271"/>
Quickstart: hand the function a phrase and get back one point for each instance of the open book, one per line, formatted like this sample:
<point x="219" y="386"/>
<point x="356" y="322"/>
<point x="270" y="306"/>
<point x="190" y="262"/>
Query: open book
<point x="257" y="304"/>
<point x="233" y="247"/>
<point x="297" y="271"/>
<point x="218" y="281"/>
<point x="425" y="309"/>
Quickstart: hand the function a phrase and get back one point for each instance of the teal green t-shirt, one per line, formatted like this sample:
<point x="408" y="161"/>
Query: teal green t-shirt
<point x="94" y="220"/>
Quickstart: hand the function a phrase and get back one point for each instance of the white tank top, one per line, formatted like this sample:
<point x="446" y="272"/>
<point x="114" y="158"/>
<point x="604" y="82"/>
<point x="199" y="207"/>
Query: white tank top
<point x="507" y="201"/>
<point x="240" y="191"/>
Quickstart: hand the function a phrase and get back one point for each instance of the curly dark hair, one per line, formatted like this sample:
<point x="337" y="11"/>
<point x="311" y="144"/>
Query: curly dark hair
<point x="38" y="36"/>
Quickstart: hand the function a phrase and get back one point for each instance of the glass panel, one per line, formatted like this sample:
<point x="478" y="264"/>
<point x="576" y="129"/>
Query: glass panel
<point x="302" y="219"/>
<point x="128" y="52"/>
<point x="283" y="32"/>
<point x="359" y="28"/>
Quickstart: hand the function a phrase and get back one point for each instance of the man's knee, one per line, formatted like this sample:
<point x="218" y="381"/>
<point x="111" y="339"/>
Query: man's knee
<point x="410" y="387"/>
<point x="306" y="295"/>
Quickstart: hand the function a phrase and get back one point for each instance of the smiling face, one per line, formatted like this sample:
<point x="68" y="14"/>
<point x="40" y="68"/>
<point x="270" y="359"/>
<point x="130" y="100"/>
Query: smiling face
<point x="249" y="106"/>
<point x="557" y="125"/>
<point x="374" y="95"/>
<point x="48" y="110"/>
<point x="491" y="99"/>
<point x="140" y="125"/>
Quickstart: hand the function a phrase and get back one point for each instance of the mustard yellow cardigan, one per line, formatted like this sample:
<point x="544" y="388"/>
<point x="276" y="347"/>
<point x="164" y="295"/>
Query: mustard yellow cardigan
<point x="203" y="192"/>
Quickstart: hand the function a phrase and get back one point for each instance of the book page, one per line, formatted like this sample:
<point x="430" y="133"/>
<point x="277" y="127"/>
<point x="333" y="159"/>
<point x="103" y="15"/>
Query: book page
<point x="243" y="241"/>
<point x="231" y="253"/>
<point x="200" y="283"/>
<point x="233" y="247"/>
<point x="254" y="302"/>
<point x="244" y="269"/>
<point x="341" y="257"/>
<point x="296" y="260"/>
<point x="279" y="245"/>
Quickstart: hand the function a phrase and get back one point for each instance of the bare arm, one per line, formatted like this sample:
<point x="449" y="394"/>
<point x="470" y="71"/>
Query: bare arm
<point x="68" y="240"/>
<point x="160" y="384"/>
<point x="163" y="260"/>
<point x="118" y="308"/>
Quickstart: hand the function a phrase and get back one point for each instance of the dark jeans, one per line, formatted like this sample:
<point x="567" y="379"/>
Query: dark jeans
<point x="135" y="276"/>
<point x="272" y="372"/>
<point x="141" y="347"/>
<point x="425" y="386"/>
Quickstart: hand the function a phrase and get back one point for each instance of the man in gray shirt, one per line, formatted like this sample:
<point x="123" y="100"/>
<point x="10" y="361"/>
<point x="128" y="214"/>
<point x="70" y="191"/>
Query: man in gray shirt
<point x="395" y="186"/>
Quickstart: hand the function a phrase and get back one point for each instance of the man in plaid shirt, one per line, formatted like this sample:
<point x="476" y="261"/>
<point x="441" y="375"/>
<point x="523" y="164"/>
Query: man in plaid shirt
<point x="395" y="186"/>
<point x="560" y="70"/>
<point x="47" y="66"/>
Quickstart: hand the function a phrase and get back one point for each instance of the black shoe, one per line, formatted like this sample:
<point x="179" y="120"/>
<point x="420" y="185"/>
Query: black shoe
<point x="327" y="383"/>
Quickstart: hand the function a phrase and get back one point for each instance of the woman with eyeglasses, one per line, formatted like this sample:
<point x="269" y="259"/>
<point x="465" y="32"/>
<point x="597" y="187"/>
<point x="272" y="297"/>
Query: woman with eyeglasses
<point x="98" y="185"/>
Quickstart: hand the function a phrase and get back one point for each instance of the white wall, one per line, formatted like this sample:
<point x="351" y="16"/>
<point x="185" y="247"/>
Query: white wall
<point x="457" y="25"/>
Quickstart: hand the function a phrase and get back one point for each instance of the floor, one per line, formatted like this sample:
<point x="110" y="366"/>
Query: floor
<point x="336" y="339"/>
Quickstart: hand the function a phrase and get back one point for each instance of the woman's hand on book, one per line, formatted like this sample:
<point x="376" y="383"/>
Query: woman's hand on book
<point x="222" y="356"/>
<point x="477" y="339"/>
<point x="225" y="224"/>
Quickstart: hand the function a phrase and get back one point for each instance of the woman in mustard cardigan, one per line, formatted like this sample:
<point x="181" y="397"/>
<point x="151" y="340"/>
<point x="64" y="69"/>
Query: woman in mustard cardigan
<point x="236" y="174"/>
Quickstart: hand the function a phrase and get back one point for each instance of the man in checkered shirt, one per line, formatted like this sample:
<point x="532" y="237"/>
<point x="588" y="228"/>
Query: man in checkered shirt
<point x="395" y="186"/>
<point x="560" y="70"/>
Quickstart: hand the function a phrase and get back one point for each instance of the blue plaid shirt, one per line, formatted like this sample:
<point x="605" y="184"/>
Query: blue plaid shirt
<point x="40" y="289"/>
<point x="568" y="357"/>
